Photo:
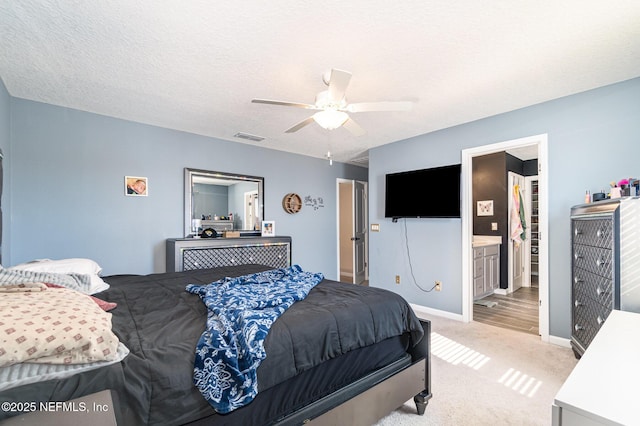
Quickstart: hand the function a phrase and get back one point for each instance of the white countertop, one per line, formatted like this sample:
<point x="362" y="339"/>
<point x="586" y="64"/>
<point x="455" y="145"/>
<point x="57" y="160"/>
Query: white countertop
<point x="603" y="386"/>
<point x="486" y="240"/>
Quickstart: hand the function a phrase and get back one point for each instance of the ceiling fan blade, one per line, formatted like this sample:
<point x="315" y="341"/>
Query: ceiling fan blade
<point x="283" y="103"/>
<point x="380" y="106"/>
<point x="300" y="125"/>
<point x="353" y="127"/>
<point x="338" y="83"/>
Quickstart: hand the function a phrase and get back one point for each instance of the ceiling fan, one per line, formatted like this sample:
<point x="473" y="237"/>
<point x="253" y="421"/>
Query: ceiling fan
<point x="332" y="105"/>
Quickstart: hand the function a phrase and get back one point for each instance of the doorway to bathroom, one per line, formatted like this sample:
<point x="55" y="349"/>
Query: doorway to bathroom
<point x="522" y="292"/>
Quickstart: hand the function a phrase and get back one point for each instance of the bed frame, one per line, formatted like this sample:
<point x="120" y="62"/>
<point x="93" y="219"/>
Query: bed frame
<point x="369" y="399"/>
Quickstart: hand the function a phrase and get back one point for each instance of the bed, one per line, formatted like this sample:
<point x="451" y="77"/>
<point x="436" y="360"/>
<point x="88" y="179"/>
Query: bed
<point x="344" y="353"/>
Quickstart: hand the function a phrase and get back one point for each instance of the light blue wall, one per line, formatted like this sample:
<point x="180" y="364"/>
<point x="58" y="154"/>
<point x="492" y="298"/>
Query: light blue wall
<point x="594" y="138"/>
<point x="68" y="168"/>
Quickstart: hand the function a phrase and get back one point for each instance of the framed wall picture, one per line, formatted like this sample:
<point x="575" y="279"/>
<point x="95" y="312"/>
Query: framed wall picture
<point x="268" y="228"/>
<point x="485" y="208"/>
<point x="136" y="186"/>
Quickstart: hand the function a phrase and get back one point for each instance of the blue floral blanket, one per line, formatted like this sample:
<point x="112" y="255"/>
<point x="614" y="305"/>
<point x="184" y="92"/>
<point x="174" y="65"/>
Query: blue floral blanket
<point x="240" y="313"/>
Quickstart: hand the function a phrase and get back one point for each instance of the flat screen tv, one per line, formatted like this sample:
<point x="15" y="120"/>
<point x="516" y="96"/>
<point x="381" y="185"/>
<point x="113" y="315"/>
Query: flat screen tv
<point x="423" y="193"/>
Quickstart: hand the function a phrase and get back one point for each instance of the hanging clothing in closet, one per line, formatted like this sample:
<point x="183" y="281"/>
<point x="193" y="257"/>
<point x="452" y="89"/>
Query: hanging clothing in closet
<point x="518" y="223"/>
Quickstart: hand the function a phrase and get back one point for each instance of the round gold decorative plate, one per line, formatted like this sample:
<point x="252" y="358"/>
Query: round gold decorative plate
<point x="292" y="203"/>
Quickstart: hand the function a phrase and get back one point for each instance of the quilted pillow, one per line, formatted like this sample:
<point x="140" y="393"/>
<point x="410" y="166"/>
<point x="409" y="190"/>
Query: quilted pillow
<point x="69" y="266"/>
<point x="54" y="326"/>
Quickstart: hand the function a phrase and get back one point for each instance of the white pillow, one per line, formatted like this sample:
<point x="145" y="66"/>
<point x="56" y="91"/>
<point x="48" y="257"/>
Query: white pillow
<point x="68" y="266"/>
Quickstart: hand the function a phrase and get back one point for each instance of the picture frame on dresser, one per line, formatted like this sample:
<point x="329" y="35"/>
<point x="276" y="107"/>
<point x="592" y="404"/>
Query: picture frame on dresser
<point x="268" y="228"/>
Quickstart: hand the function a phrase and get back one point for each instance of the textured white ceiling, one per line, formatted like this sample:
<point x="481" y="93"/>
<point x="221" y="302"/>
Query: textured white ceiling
<point x="195" y="65"/>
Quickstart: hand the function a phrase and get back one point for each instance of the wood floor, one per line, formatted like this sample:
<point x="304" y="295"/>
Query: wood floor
<point x="517" y="311"/>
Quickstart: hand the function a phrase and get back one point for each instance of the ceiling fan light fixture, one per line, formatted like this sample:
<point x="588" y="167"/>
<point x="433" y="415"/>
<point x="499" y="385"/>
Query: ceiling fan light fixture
<point x="332" y="106"/>
<point x="330" y="118"/>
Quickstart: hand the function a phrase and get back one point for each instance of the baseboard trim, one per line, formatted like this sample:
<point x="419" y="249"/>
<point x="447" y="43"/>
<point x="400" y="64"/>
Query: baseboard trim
<point x="419" y="309"/>
<point x="424" y="310"/>
<point x="560" y="341"/>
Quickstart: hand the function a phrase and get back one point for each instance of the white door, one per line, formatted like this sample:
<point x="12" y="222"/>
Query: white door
<point x="252" y="219"/>
<point x="352" y="231"/>
<point x="360" y="231"/>
<point x="517" y="233"/>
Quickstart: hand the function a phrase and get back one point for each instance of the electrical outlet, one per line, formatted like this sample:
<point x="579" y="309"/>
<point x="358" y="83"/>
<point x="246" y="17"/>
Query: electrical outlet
<point x="397" y="279"/>
<point x="438" y="285"/>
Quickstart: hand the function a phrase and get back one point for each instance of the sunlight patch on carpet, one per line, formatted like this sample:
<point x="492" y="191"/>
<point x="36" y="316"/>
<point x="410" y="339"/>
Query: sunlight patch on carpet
<point x="455" y="353"/>
<point x="520" y="382"/>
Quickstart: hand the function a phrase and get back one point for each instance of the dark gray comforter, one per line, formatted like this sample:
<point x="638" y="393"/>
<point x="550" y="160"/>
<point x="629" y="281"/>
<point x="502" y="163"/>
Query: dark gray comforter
<point x="161" y="323"/>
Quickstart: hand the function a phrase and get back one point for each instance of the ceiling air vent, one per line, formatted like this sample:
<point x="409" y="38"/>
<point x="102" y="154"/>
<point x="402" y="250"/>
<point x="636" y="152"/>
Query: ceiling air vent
<point x="249" y="137"/>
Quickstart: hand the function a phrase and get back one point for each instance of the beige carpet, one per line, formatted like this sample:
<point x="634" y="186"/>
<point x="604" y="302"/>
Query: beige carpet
<point x="486" y="375"/>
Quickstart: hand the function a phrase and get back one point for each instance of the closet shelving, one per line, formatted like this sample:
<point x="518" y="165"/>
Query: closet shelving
<point x="534" y="227"/>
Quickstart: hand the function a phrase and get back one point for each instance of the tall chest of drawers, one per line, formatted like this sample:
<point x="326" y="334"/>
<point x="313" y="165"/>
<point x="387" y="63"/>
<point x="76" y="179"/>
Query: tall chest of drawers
<point x="605" y="246"/>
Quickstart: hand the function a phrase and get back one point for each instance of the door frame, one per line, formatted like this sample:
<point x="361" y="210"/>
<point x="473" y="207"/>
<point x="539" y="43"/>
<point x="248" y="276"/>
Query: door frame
<point x="365" y="205"/>
<point x="543" y="225"/>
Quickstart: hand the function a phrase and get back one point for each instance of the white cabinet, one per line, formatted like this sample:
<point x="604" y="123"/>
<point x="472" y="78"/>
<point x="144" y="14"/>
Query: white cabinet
<point x="486" y="270"/>
<point x="602" y="388"/>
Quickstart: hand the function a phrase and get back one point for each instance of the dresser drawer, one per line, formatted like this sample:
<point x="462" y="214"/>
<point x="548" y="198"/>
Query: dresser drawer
<point x="597" y="260"/>
<point x="597" y="232"/>
<point x="588" y="286"/>
<point x="587" y="319"/>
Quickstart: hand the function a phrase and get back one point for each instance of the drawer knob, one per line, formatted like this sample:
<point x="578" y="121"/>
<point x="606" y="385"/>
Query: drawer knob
<point x="600" y="262"/>
<point x="577" y="303"/>
<point x="600" y="291"/>
<point x="576" y="231"/>
<point x="600" y="320"/>
<point x="578" y="327"/>
<point x="577" y="256"/>
<point x="577" y="280"/>
<point x="599" y="233"/>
